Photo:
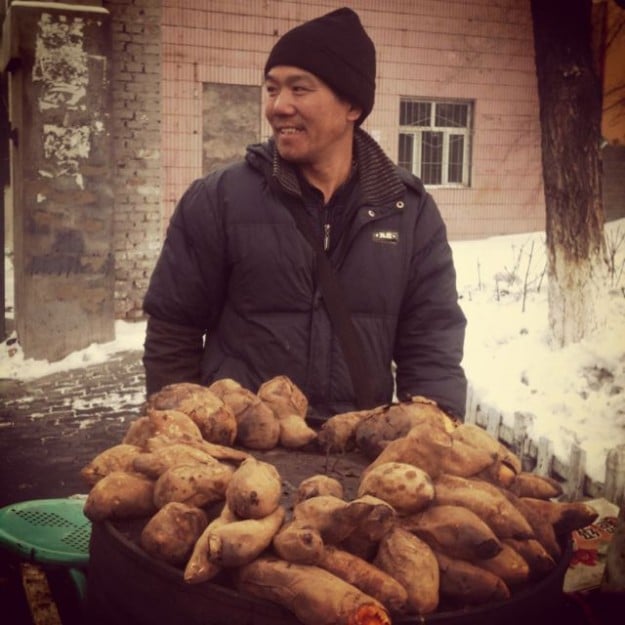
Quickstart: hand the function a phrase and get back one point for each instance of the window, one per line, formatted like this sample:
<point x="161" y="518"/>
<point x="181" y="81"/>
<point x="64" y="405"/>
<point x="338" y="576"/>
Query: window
<point x="434" y="141"/>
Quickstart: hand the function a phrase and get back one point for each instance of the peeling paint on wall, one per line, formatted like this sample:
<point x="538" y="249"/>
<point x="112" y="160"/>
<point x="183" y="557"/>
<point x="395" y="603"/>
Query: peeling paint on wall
<point x="61" y="68"/>
<point x="61" y="62"/>
<point x="66" y="146"/>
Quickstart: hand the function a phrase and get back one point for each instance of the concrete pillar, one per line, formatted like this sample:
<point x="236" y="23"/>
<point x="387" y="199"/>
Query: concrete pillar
<point x="57" y="58"/>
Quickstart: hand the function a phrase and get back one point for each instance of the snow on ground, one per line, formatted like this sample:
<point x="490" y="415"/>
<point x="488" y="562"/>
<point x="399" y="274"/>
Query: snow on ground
<point x="128" y="336"/>
<point x="577" y="394"/>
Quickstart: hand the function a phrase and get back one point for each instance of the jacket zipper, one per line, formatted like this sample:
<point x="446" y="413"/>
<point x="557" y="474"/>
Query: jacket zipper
<point x="326" y="237"/>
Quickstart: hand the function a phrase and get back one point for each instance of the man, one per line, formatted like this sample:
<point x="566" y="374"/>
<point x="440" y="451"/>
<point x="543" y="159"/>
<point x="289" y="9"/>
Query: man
<point x="237" y="292"/>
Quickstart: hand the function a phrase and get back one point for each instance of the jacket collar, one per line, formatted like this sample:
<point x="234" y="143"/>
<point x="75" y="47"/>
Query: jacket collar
<point x="380" y="180"/>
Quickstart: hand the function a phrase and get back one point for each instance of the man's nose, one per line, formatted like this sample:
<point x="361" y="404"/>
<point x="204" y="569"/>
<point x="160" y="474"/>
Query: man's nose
<point x="283" y="102"/>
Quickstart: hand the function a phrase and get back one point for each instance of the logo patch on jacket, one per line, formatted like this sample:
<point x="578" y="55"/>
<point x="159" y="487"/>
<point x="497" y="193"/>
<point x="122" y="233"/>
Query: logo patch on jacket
<point x="386" y="236"/>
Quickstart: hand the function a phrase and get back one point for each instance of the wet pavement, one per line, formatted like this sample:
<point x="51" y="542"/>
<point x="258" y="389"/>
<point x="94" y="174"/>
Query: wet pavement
<point x="51" y="427"/>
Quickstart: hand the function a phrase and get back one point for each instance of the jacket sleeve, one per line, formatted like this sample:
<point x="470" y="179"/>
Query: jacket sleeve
<point x="172" y="353"/>
<point x="185" y="293"/>
<point x="430" y="337"/>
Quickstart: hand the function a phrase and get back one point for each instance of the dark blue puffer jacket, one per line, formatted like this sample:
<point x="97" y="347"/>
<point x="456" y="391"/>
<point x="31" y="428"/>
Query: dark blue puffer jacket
<point x="235" y="269"/>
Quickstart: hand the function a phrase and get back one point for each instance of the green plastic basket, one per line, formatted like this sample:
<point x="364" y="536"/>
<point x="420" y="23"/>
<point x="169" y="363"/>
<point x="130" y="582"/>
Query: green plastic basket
<point x="47" y="531"/>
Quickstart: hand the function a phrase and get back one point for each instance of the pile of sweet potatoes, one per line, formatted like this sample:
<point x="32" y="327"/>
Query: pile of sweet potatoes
<point x="444" y="516"/>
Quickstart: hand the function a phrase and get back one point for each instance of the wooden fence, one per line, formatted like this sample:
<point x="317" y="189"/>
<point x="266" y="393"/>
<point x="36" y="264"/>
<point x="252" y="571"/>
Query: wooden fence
<point x="538" y="455"/>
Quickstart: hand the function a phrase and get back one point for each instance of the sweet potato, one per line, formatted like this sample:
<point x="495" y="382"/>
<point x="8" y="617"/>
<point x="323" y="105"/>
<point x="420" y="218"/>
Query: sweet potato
<point x="405" y="487"/>
<point x="412" y="563"/>
<point x="117" y="458"/>
<point x="424" y="446"/>
<point x="213" y="418"/>
<point x="172" y="532"/>
<point x="487" y="501"/>
<point x="454" y="531"/>
<point x="219" y="452"/>
<point x="323" y="514"/>
<point x="504" y="465"/>
<point x="435" y="451"/>
<point x="360" y="545"/>
<point x="371" y="519"/>
<point x="194" y="484"/>
<point x="224" y="386"/>
<point x="479" y="438"/>
<point x="295" y="432"/>
<point x="154" y="464"/>
<point x="498" y="473"/>
<point x="369" y="516"/>
<point x="318" y="484"/>
<point x="139" y="431"/>
<point x="289" y="405"/>
<point x="257" y="425"/>
<point x="241" y="541"/>
<point x="540" y="523"/>
<point x="365" y="576"/>
<point x="539" y="561"/>
<point x="284" y="396"/>
<point x="120" y="495"/>
<point x="315" y="596"/>
<point x="564" y="516"/>
<point x="465" y="584"/>
<point x="465" y="459"/>
<point x="299" y="543"/>
<point x="537" y="486"/>
<point x="375" y="431"/>
<point x="255" y="489"/>
<point x="338" y="433"/>
<point x="199" y="567"/>
<point x="174" y="424"/>
<point x="508" y="565"/>
<point x="235" y="396"/>
<point x="337" y="520"/>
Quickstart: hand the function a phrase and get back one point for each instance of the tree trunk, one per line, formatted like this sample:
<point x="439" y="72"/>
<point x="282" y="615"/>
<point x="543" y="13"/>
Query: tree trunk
<point x="570" y="113"/>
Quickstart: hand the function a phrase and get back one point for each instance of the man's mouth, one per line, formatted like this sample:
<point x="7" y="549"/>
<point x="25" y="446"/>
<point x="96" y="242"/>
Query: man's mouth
<point x="288" y="130"/>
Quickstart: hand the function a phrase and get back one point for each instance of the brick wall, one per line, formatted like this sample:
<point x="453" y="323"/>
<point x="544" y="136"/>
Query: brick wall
<point x="136" y="83"/>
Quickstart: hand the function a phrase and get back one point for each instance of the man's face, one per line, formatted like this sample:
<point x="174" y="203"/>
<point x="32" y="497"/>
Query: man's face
<point x="311" y="124"/>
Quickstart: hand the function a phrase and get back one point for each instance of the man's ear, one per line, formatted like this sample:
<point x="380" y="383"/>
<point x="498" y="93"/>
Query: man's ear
<point x="354" y="113"/>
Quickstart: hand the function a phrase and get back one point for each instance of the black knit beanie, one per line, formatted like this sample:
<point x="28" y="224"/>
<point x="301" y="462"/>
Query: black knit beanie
<point x="336" y="49"/>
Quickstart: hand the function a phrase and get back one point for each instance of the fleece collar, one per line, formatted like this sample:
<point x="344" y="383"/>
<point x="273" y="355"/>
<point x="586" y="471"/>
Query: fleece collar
<point x="380" y="180"/>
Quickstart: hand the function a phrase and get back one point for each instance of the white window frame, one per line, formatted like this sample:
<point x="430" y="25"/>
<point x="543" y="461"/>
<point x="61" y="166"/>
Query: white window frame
<point x="447" y="131"/>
